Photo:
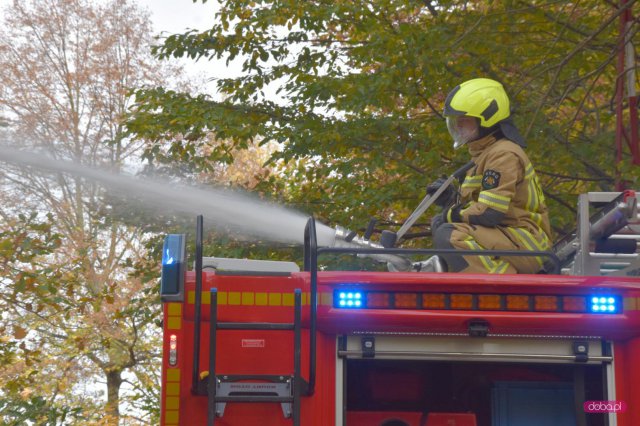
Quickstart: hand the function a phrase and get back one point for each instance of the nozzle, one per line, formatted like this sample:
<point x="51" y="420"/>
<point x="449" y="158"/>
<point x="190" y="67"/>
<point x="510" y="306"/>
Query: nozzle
<point x="388" y="239"/>
<point x="345" y="238"/>
<point x="614" y="220"/>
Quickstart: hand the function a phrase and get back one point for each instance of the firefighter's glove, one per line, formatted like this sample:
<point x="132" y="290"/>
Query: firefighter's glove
<point x="436" y="222"/>
<point x="452" y="214"/>
<point x="448" y="215"/>
<point x="447" y="197"/>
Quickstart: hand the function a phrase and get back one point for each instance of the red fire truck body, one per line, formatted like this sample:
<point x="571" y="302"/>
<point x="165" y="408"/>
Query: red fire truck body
<point x="275" y="346"/>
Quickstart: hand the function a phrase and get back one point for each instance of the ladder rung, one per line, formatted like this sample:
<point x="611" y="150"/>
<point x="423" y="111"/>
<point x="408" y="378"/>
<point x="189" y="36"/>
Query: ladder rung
<point x="255" y="378"/>
<point x="253" y="398"/>
<point x="284" y="390"/>
<point x="254" y="326"/>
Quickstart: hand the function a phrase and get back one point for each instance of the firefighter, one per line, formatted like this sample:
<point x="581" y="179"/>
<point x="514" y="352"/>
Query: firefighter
<point x="500" y="205"/>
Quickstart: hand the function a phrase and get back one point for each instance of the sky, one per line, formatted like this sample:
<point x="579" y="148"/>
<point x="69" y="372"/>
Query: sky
<point x="173" y="15"/>
<point x="177" y="15"/>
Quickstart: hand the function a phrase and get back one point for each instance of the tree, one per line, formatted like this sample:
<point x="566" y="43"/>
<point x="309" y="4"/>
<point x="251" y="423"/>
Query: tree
<point x="87" y="305"/>
<point x="362" y="86"/>
<point x="23" y="242"/>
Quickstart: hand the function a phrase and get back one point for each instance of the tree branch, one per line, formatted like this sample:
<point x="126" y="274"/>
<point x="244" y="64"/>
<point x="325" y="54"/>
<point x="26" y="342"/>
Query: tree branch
<point x="569" y="56"/>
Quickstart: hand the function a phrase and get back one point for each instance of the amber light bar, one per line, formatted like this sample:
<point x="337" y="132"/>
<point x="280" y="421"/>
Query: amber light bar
<point x="360" y="299"/>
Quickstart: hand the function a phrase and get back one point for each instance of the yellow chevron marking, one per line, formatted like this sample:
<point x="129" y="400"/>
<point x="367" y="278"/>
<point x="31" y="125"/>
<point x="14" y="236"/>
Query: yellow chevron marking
<point x="173" y="389"/>
<point x="248" y="298"/>
<point x="630" y="304"/>
<point x="172" y="403"/>
<point x="287" y="299"/>
<point x="173" y="375"/>
<point x="174" y="323"/>
<point x="234" y="298"/>
<point x="326" y="299"/>
<point x="262" y="299"/>
<point x="275" y="299"/>
<point x="174" y="309"/>
<point x="171" y="417"/>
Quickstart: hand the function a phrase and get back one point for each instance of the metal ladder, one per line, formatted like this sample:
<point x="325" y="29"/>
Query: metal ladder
<point x="605" y="242"/>
<point x="283" y="389"/>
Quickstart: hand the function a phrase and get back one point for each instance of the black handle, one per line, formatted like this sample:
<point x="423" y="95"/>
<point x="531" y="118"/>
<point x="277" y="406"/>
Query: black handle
<point x="462" y="171"/>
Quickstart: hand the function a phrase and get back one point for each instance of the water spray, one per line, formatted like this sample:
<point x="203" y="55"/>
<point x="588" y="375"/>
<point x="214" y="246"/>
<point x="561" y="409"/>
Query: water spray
<point x="240" y="212"/>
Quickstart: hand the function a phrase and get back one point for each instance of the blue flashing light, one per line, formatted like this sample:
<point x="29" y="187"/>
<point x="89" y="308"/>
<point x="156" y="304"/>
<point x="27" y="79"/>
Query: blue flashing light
<point x="349" y="299"/>
<point x="605" y="305"/>
<point x="173" y="265"/>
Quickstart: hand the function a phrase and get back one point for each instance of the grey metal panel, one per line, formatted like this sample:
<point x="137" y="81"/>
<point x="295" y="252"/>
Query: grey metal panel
<point x="248" y="265"/>
<point x="505" y="349"/>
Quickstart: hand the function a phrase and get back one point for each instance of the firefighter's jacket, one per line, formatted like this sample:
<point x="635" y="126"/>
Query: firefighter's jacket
<point x="502" y="191"/>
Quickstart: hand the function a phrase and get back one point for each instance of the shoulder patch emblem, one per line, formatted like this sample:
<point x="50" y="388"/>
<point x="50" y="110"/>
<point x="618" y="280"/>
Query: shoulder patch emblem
<point x="490" y="179"/>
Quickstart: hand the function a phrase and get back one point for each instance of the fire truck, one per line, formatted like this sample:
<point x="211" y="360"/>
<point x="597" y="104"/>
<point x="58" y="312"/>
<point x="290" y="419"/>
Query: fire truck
<point x="258" y="342"/>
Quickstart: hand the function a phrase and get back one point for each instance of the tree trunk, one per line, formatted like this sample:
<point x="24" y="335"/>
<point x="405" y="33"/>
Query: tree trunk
<point x="114" y="380"/>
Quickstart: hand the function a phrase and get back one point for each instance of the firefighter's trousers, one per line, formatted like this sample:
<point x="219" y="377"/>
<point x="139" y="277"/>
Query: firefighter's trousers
<point x="461" y="236"/>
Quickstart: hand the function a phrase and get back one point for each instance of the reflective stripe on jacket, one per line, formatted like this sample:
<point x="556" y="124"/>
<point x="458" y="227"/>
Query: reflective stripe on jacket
<point x="504" y="184"/>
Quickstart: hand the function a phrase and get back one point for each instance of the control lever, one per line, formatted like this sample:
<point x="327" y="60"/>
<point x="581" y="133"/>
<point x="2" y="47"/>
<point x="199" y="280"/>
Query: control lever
<point x="370" y="228"/>
<point x="388" y="240"/>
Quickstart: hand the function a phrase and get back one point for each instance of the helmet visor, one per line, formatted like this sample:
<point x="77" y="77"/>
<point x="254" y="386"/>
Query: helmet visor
<point x="462" y="129"/>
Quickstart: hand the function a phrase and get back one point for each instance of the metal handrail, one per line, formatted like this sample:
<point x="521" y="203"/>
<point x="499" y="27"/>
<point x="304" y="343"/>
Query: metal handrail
<point x="198" y="304"/>
<point x="400" y="251"/>
<point x="311" y="264"/>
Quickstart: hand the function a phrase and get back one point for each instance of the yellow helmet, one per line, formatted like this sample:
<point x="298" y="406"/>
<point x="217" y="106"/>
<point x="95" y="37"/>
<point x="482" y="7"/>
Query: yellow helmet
<point x="481" y="98"/>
